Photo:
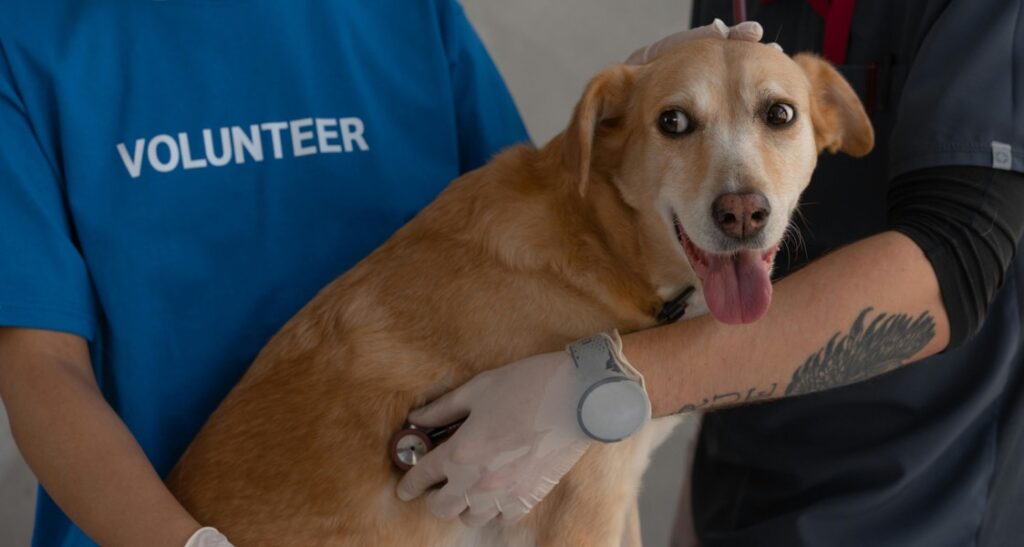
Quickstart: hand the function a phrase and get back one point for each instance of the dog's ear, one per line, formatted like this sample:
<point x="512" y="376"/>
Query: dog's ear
<point x="840" y="122"/>
<point x="602" y="106"/>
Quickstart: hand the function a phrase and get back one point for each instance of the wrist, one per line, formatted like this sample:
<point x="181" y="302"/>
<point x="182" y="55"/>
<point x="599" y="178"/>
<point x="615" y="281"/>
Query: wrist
<point x="612" y="402"/>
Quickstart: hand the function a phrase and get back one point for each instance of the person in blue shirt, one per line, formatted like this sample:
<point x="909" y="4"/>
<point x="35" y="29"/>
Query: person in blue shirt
<point x="176" y="180"/>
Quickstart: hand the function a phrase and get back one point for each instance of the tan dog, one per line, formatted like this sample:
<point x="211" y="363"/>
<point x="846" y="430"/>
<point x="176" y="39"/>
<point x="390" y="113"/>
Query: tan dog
<point x="695" y="159"/>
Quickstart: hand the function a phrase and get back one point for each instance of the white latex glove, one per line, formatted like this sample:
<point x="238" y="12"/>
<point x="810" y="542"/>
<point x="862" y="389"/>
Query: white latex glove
<point x="208" y="537"/>
<point x="520" y="438"/>
<point x="522" y="435"/>
<point x="750" y="31"/>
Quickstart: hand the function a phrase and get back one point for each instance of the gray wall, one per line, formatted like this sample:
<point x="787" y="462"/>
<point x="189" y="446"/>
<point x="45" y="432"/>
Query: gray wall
<point x="547" y="51"/>
<point x="17" y="491"/>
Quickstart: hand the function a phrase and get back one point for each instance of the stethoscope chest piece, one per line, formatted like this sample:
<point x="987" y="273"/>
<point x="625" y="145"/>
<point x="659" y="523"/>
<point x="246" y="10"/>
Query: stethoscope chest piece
<point x="411" y="443"/>
<point x="408" y="446"/>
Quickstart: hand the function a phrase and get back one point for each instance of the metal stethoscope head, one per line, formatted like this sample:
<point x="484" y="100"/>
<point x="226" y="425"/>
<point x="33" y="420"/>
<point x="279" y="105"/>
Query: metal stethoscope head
<point x="409" y="444"/>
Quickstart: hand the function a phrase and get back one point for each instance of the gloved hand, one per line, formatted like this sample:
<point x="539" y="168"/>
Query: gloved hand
<point x="750" y="31"/>
<point x="208" y="537"/>
<point x="522" y="435"/>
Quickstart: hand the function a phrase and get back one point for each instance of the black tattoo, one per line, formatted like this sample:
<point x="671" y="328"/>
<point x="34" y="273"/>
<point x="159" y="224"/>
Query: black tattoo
<point x="866" y="351"/>
<point x="733" y="398"/>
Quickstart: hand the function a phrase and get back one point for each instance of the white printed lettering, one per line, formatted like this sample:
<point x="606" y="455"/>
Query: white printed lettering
<point x="323" y="135"/>
<point x="186" y="153"/>
<point x="133" y="163"/>
<point x="165" y="153"/>
<point x="252" y="143"/>
<point x="154" y="156"/>
<point x="275" y="129"/>
<point x="352" y="131"/>
<point x="225" y="147"/>
<point x="299" y="137"/>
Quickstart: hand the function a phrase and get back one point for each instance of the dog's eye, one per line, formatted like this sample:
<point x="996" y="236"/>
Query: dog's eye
<point x="780" y="114"/>
<point x="674" y="123"/>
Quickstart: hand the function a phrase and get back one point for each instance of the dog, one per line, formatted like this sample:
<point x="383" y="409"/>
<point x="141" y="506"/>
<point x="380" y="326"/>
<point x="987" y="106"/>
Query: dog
<point x="682" y="172"/>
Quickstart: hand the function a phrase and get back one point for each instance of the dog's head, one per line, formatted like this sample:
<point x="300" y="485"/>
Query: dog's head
<point x="710" y="146"/>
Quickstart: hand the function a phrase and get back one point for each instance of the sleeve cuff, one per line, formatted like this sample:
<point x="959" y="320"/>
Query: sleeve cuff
<point x="966" y="155"/>
<point x="48" y="318"/>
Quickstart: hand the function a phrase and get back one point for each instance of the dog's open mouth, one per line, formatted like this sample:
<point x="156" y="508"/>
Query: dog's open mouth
<point x="737" y="286"/>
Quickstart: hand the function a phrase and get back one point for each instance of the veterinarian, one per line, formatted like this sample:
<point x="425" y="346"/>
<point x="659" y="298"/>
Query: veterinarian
<point x="892" y="355"/>
<point x="176" y="180"/>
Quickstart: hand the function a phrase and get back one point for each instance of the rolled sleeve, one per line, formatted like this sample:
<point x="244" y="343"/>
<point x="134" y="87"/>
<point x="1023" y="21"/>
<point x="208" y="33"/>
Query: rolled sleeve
<point x="43" y="279"/>
<point x="963" y="101"/>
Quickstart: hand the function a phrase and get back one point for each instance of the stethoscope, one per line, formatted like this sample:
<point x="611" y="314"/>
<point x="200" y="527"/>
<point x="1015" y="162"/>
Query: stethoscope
<point x="411" y="443"/>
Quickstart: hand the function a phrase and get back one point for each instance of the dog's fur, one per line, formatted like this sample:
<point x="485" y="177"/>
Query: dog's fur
<point x="534" y="250"/>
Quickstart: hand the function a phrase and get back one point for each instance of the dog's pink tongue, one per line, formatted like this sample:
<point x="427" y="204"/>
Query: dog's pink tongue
<point x="737" y="288"/>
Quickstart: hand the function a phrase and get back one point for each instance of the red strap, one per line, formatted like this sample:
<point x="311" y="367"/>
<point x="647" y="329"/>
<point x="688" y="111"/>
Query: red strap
<point x="820" y="6"/>
<point x="837" y="29"/>
<point x="838" y="15"/>
<point x="739" y="11"/>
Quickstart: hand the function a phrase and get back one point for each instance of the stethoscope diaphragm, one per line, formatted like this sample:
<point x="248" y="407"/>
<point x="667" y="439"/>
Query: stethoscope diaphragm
<point x="408" y="446"/>
<point x="411" y="443"/>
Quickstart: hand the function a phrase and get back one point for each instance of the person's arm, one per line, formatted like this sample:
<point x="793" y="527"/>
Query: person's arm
<point x="79" y="449"/>
<point x="856" y="313"/>
<point x="861" y="311"/>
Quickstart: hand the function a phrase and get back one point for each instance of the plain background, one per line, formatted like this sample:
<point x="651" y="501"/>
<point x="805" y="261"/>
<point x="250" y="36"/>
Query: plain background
<point x="546" y="51"/>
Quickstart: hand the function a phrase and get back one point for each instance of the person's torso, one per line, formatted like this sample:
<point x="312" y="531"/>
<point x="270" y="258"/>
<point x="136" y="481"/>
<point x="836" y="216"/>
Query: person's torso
<point x="223" y="161"/>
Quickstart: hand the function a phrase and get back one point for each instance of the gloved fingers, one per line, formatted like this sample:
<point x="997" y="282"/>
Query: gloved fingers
<point x="480" y="512"/>
<point x="426" y="473"/>
<point x="448" y="409"/>
<point x="515" y="507"/>
<point x="775" y="45"/>
<point x="751" y="31"/>
<point x="717" y="29"/>
<point x="448" y="502"/>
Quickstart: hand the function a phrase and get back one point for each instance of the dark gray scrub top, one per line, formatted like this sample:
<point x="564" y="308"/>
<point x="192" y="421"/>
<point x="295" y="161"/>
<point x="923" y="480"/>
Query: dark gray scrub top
<point x="931" y="454"/>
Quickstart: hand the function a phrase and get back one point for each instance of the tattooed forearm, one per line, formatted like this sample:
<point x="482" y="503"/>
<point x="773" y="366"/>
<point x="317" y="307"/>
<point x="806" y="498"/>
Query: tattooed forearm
<point x="869" y="349"/>
<point x="732" y="398"/>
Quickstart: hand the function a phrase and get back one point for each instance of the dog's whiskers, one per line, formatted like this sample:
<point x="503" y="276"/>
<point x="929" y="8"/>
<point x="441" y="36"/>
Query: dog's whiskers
<point x="793" y="241"/>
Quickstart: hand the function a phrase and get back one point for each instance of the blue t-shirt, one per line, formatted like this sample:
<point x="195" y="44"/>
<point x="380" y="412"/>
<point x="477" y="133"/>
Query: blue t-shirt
<point x="178" y="178"/>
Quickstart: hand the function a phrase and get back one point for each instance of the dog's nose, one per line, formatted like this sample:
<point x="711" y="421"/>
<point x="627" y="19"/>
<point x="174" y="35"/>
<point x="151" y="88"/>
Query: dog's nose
<point x="741" y="216"/>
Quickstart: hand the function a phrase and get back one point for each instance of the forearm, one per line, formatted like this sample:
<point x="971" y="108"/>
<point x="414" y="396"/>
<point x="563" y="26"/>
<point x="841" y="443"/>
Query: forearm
<point x="809" y="340"/>
<point x="84" y="455"/>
